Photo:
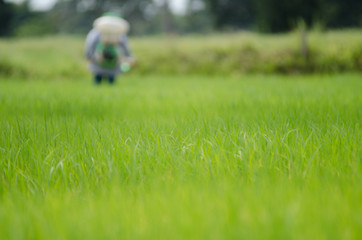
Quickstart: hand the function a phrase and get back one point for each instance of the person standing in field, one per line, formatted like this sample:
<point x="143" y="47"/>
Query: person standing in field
<point x="107" y="48"/>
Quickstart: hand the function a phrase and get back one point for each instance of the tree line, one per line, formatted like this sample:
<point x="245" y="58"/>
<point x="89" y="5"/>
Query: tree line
<point x="152" y="17"/>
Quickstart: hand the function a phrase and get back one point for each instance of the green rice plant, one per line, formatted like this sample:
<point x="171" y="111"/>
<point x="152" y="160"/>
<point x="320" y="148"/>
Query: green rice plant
<point x="188" y="157"/>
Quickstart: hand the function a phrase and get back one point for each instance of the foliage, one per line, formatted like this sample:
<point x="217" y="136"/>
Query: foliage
<point x="232" y="13"/>
<point x="283" y="15"/>
<point x="6" y="15"/>
<point x="152" y="17"/>
<point x="19" y="20"/>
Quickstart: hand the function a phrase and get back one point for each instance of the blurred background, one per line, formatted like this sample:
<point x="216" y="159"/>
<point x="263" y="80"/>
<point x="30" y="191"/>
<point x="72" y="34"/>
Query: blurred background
<point x="187" y="36"/>
<point x="43" y="17"/>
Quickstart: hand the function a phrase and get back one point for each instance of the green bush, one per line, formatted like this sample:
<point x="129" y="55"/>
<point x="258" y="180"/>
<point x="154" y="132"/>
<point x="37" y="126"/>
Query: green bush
<point x="8" y="69"/>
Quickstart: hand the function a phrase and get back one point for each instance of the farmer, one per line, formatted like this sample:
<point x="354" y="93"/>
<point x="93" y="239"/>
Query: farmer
<point x="107" y="48"/>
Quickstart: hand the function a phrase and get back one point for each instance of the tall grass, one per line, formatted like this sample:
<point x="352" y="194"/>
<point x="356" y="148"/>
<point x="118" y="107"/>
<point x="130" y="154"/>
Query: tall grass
<point x="229" y="54"/>
<point x="182" y="158"/>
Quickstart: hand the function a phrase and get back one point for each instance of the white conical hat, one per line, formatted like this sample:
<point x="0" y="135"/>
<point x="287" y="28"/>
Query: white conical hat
<point x="111" y="24"/>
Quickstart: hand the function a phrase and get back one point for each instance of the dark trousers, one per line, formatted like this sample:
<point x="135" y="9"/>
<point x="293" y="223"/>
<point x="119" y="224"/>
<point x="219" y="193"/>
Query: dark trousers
<point x="98" y="79"/>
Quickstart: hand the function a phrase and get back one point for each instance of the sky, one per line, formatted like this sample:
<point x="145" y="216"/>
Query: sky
<point x="177" y="6"/>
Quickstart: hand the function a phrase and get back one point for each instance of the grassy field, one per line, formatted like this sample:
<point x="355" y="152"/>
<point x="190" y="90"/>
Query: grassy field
<point x="228" y="54"/>
<point x="254" y="157"/>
